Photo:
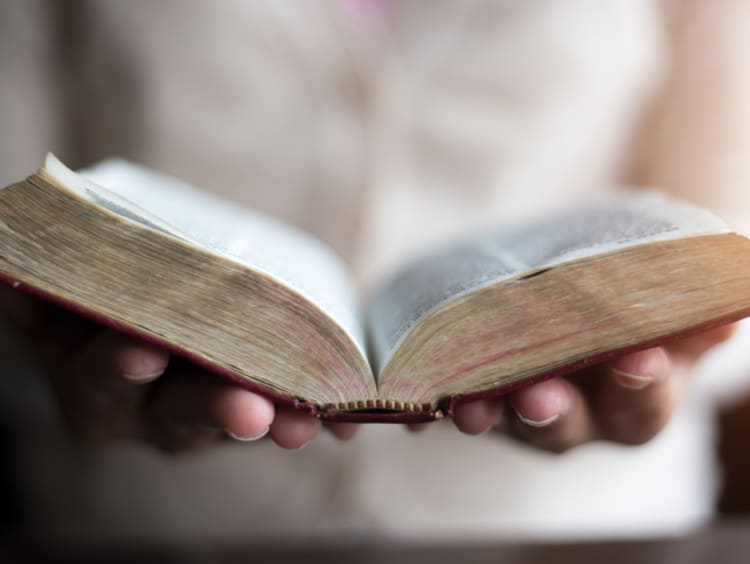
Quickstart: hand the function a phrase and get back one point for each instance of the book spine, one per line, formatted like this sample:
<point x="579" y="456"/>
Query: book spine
<point x="378" y="403"/>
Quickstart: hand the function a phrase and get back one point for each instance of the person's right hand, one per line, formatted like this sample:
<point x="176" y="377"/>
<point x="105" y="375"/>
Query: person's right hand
<point x="626" y="400"/>
<point x="113" y="387"/>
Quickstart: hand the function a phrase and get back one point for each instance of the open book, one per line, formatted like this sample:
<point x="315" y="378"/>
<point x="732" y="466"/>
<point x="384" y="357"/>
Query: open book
<point x="275" y="311"/>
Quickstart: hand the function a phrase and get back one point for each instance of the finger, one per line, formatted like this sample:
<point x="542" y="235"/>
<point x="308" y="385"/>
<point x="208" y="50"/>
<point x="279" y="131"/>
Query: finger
<point x="135" y="361"/>
<point x="695" y="345"/>
<point x="20" y="308"/>
<point x="636" y="397"/>
<point x="551" y="415"/>
<point x="292" y="428"/>
<point x="102" y="391"/>
<point x="49" y="328"/>
<point x="343" y="431"/>
<point x="112" y="368"/>
<point x="476" y="417"/>
<point x="189" y="404"/>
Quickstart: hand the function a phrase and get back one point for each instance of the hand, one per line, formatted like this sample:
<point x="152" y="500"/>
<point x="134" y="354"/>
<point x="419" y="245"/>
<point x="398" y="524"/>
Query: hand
<point x="112" y="387"/>
<point x="626" y="400"/>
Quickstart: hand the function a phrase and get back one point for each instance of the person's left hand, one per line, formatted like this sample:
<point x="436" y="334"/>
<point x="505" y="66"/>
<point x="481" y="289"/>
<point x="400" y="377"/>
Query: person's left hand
<point x="112" y="388"/>
<point x="627" y="400"/>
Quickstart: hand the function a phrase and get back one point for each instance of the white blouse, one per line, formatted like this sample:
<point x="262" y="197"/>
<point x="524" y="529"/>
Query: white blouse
<point x="384" y="128"/>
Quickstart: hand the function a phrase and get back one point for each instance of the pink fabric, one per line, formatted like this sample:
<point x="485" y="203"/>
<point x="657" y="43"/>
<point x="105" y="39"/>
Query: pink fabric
<point x="368" y="12"/>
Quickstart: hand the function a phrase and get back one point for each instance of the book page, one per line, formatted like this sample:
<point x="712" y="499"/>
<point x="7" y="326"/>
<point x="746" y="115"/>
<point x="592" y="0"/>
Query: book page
<point x="286" y="254"/>
<point x="512" y="252"/>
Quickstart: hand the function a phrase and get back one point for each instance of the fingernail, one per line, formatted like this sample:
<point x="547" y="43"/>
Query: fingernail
<point x="142" y="378"/>
<point x="495" y="423"/>
<point x="262" y="434"/>
<point x="629" y="380"/>
<point x="538" y="423"/>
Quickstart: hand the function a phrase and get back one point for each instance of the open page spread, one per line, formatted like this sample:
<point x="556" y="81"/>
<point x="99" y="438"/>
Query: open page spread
<point x="427" y="284"/>
<point x="160" y="202"/>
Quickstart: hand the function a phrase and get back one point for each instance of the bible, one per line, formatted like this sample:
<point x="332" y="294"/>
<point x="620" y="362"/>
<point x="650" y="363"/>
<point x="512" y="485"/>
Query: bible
<point x="274" y="310"/>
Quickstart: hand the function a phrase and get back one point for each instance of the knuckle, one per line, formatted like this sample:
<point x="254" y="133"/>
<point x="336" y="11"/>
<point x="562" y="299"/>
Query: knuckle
<point x="636" y="427"/>
<point x="561" y="447"/>
<point x="88" y="432"/>
<point x="556" y="439"/>
<point x="558" y="445"/>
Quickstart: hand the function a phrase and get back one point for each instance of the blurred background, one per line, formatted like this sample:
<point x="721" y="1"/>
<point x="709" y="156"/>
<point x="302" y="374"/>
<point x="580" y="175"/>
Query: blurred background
<point x="384" y="127"/>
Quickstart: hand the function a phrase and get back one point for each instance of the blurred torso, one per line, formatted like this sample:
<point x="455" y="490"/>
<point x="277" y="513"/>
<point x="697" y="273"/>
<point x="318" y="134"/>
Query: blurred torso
<point x="385" y="128"/>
